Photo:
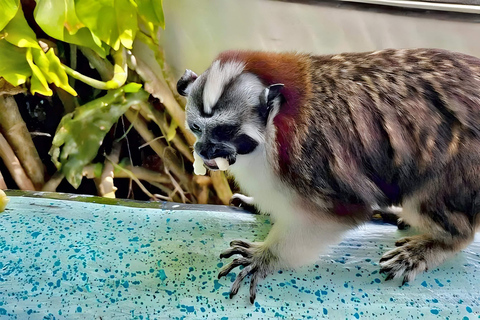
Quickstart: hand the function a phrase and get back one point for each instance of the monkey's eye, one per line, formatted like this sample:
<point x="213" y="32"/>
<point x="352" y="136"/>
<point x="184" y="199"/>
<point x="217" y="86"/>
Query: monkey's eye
<point x="195" y="128"/>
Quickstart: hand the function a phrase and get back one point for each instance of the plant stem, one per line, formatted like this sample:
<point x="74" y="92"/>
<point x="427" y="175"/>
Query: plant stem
<point x="221" y="186"/>
<point x="3" y="185"/>
<point x="73" y="62"/>
<point x="105" y="185"/>
<point x="177" y="141"/>
<point x="103" y="66"/>
<point x="52" y="184"/>
<point x="139" y="172"/>
<point x="149" y="69"/>
<point x="20" y="140"/>
<point x="145" y="190"/>
<point x="14" y="167"/>
<point x="119" y="75"/>
<point x="157" y="146"/>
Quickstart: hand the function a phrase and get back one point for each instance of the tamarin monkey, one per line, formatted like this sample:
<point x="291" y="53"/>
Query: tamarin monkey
<point x="317" y="141"/>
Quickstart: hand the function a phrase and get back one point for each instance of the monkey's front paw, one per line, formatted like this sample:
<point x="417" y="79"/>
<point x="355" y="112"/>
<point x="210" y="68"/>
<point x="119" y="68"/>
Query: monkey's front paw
<point x="407" y="260"/>
<point x="257" y="260"/>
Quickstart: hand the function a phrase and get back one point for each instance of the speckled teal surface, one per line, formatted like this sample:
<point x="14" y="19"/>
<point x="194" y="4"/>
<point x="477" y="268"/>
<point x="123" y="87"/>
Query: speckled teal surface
<point x="72" y="260"/>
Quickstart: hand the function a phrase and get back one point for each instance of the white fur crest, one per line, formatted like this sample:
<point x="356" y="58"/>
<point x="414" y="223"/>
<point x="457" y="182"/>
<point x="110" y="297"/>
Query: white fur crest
<point x="219" y="76"/>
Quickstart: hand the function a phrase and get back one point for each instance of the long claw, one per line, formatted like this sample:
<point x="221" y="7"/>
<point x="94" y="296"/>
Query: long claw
<point x="229" y="267"/>
<point x="388" y="256"/>
<point x="253" y="286"/>
<point x="385" y="270"/>
<point x="238" y="281"/>
<point x="240" y="243"/>
<point x="390" y="276"/>
<point x="244" y="252"/>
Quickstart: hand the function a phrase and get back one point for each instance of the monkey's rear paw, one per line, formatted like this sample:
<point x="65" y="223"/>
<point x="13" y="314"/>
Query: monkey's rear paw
<point x="257" y="261"/>
<point x="407" y="260"/>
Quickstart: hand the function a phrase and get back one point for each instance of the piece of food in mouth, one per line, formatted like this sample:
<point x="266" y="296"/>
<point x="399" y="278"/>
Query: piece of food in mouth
<point x="222" y="163"/>
<point x="198" y="167"/>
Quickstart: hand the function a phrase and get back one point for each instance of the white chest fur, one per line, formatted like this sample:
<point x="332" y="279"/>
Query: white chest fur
<point x="255" y="177"/>
<point x="298" y="236"/>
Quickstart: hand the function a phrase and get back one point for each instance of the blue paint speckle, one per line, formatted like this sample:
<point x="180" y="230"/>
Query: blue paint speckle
<point x="161" y="274"/>
<point x="216" y="284"/>
<point x="35" y="234"/>
<point x="434" y="311"/>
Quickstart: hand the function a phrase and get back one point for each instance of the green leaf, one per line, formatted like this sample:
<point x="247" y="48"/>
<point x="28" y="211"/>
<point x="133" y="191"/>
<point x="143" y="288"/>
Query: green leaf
<point x="14" y="67"/>
<point x="8" y="11"/>
<point x="112" y="21"/>
<point x="59" y="20"/>
<point x="151" y="11"/>
<point x="53" y="16"/>
<point x="51" y="67"/>
<point x="126" y="21"/>
<point x="80" y="134"/>
<point x="45" y="68"/>
<point x="19" y="33"/>
<point x="84" y="37"/>
<point x="38" y="82"/>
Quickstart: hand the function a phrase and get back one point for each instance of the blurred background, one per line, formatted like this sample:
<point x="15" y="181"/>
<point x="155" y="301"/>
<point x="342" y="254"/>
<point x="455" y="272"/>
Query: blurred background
<point x="87" y="89"/>
<point x="198" y="30"/>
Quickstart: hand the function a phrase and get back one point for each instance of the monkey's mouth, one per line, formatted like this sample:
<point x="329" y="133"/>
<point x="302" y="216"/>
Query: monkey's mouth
<point x="210" y="164"/>
<point x="218" y="163"/>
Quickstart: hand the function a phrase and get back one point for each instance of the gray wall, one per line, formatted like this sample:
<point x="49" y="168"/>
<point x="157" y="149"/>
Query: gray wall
<point x="197" y="30"/>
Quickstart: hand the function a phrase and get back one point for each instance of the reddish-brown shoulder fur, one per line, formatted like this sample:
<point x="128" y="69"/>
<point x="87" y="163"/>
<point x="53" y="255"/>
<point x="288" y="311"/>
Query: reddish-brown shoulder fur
<point x="292" y="70"/>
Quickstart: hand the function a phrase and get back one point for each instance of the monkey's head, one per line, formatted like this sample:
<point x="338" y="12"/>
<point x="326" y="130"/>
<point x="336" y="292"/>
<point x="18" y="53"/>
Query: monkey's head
<point x="228" y="110"/>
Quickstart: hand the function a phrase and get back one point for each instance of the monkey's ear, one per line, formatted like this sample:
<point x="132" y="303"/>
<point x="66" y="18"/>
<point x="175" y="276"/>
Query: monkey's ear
<point x="184" y="85"/>
<point x="267" y="97"/>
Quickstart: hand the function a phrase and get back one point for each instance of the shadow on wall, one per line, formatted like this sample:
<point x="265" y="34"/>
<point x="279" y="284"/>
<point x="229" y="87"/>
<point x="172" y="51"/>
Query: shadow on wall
<point x="198" y="30"/>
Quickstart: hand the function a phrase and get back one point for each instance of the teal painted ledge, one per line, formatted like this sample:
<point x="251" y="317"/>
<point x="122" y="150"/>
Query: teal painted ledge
<point x="74" y="257"/>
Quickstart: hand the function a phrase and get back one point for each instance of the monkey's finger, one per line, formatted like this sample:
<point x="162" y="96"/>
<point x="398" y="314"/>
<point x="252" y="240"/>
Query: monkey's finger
<point x="402" y="241"/>
<point x="240" y="243"/>
<point x="238" y="281"/>
<point x="244" y="252"/>
<point x="253" y="285"/>
<point x="389" y="255"/>
<point x="235" y="263"/>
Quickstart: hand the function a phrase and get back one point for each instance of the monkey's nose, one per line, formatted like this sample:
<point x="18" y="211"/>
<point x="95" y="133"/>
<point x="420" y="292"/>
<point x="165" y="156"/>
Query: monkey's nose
<point x="209" y="151"/>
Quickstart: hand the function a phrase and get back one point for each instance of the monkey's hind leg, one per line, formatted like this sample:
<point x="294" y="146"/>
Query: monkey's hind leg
<point x="447" y="232"/>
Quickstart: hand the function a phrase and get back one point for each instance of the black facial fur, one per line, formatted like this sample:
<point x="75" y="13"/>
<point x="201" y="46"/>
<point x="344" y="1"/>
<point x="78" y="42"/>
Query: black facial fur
<point x="224" y="132"/>
<point x="244" y="144"/>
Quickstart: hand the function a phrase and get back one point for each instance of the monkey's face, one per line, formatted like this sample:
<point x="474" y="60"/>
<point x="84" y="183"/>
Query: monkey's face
<point x="225" y="110"/>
